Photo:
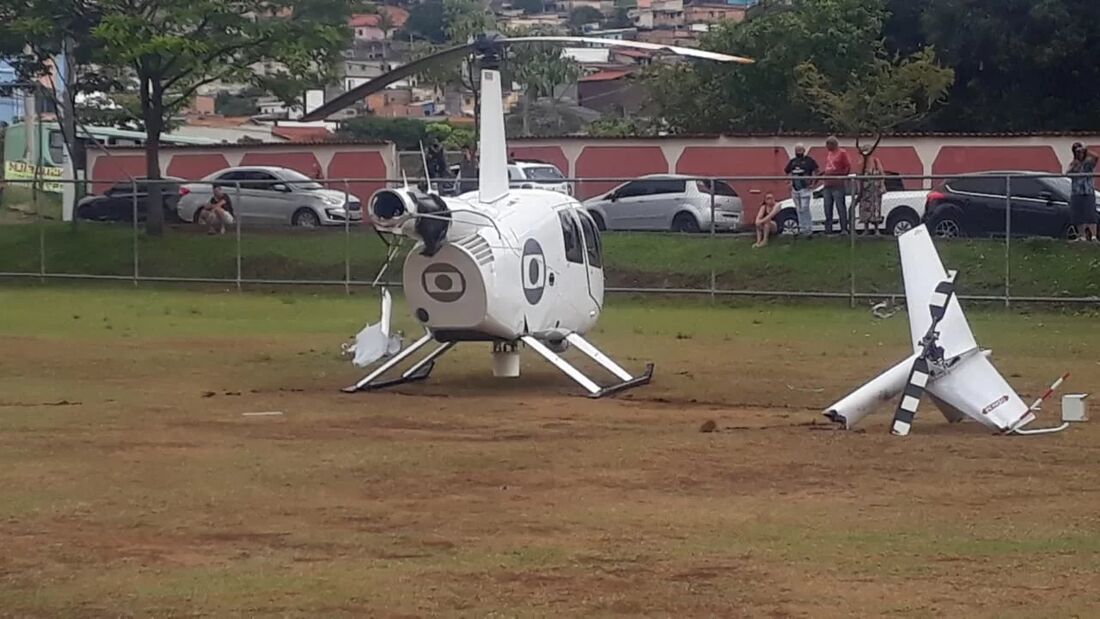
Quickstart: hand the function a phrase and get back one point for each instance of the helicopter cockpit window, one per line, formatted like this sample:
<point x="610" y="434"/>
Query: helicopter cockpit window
<point x="574" y="248"/>
<point x="591" y="240"/>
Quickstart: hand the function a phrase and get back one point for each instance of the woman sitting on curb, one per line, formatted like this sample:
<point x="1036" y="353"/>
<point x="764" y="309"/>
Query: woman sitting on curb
<point x="765" y="216"/>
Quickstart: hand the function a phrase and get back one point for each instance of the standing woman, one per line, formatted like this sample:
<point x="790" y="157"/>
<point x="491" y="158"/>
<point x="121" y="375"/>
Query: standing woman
<point x="870" y="193"/>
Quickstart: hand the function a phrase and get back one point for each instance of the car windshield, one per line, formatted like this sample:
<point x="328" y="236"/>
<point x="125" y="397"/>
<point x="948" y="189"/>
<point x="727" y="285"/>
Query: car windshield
<point x="301" y="181"/>
<point x="543" y="173"/>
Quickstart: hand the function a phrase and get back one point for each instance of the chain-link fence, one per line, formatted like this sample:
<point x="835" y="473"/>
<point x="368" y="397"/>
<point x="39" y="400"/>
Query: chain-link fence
<point x="1012" y="237"/>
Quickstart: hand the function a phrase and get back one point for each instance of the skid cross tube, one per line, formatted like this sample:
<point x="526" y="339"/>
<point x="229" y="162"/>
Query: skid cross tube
<point x="594" y="390"/>
<point x="419" y="371"/>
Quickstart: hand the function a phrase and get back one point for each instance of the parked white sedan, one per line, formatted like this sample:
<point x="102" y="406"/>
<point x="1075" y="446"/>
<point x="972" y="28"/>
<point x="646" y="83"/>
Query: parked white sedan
<point x="901" y="210"/>
<point x="666" y="202"/>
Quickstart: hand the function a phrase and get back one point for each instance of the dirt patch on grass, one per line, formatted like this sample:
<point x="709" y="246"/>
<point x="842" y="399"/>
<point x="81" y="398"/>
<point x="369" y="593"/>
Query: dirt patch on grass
<point x="464" y="496"/>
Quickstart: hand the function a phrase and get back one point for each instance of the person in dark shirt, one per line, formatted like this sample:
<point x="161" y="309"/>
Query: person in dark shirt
<point x="802" y="169"/>
<point x="468" y="171"/>
<point x="216" y="213"/>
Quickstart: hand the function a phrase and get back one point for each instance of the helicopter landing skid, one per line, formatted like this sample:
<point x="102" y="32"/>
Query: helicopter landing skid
<point x="419" y="371"/>
<point x="594" y="390"/>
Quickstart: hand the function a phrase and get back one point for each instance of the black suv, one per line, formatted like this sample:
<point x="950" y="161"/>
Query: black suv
<point x="974" y="205"/>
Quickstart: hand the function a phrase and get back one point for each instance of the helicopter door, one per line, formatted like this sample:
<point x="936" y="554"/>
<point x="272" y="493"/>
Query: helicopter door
<point x="593" y="255"/>
<point x="580" y="285"/>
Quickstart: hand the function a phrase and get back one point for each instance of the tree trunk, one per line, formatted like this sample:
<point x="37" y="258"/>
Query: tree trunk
<point x="152" y="102"/>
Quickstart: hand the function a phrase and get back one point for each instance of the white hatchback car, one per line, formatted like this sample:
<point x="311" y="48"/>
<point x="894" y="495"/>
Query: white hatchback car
<point x="521" y="175"/>
<point x="901" y="210"/>
<point x="666" y="202"/>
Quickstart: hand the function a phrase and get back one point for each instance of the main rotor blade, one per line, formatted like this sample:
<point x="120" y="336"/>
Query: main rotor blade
<point x="653" y="47"/>
<point x="379" y="83"/>
<point x="910" y="398"/>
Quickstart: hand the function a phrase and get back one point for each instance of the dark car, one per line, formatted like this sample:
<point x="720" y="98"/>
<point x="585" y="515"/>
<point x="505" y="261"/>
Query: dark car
<point x="117" y="203"/>
<point x="974" y="205"/>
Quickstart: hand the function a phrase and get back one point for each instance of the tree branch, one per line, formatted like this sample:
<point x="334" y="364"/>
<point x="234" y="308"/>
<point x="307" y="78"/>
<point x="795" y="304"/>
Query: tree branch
<point x="228" y="49"/>
<point x="186" y="94"/>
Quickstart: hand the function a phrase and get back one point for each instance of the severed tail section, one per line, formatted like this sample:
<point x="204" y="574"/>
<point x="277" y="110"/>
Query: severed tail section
<point x="929" y="353"/>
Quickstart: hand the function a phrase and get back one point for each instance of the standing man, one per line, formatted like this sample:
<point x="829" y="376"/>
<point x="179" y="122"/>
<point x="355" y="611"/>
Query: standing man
<point x="836" y="164"/>
<point x="1082" y="199"/>
<point x="802" y="170"/>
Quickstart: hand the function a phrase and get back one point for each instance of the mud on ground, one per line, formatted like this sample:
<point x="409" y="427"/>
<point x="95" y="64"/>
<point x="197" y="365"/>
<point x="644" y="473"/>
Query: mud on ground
<point x="134" y="484"/>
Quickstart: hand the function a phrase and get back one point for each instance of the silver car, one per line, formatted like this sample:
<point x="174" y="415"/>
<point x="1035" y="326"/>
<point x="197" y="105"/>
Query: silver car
<point x="272" y="195"/>
<point x="666" y="202"/>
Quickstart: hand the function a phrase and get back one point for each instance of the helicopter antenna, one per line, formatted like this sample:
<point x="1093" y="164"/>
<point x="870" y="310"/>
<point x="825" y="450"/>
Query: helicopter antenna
<point x="424" y="160"/>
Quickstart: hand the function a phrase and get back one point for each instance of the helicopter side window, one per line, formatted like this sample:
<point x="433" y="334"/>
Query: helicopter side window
<point x="591" y="240"/>
<point x="574" y="249"/>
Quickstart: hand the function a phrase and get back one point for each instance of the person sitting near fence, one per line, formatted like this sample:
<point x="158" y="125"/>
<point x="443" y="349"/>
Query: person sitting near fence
<point x="216" y="213"/>
<point x="765" y="220"/>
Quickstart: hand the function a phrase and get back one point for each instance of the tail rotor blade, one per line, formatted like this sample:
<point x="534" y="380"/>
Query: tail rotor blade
<point x="941" y="298"/>
<point x="910" y="398"/>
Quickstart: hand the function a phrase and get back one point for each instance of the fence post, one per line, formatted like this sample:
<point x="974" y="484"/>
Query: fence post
<point x="1008" y="236"/>
<point x="237" y="221"/>
<point x="347" y="238"/>
<point x="41" y="231"/>
<point x="134" y="227"/>
<point x="713" y="243"/>
<point x="850" y="207"/>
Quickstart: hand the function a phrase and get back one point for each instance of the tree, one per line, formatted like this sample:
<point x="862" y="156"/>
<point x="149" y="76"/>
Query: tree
<point x="406" y="133"/>
<point x="426" y="22"/>
<point x="1020" y="65"/>
<point x="541" y="69"/>
<point x="842" y="37"/>
<point x="582" y="16"/>
<point x="175" y="47"/>
<point x="887" y="95"/>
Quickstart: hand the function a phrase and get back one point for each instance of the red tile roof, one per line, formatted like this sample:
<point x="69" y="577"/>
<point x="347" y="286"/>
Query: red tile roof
<point x="604" y="76"/>
<point x="370" y="20"/>
<point x="301" y="134"/>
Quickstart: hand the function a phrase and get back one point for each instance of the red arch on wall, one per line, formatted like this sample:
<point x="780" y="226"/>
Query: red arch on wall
<point x="108" y="170"/>
<point x="966" y="159"/>
<point x="306" y="163"/>
<point x="616" y="162"/>
<point x="358" y="164"/>
<point x="196" y="166"/>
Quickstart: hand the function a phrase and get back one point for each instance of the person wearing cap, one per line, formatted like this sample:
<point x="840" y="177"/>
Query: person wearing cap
<point x="802" y="169"/>
<point x="1082" y="199"/>
<point x="837" y="165"/>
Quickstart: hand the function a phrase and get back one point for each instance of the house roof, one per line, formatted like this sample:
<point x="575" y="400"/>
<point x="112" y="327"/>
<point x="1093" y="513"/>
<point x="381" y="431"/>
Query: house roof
<point x="397" y="15"/>
<point x="301" y="134"/>
<point x="604" y="76"/>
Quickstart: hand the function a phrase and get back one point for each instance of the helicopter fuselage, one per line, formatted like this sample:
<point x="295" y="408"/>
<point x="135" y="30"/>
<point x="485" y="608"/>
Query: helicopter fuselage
<point x="529" y="263"/>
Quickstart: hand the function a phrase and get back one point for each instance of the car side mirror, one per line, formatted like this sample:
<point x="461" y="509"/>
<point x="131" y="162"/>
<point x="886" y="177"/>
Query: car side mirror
<point x="280" y="187"/>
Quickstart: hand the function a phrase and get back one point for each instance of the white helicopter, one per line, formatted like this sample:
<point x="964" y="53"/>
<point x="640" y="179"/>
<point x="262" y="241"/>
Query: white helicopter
<point x="498" y="265"/>
<point x="946" y="362"/>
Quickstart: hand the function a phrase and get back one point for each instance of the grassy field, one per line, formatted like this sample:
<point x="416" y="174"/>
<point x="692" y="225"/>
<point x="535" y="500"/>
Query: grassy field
<point x="134" y="484"/>
<point x="1039" y="267"/>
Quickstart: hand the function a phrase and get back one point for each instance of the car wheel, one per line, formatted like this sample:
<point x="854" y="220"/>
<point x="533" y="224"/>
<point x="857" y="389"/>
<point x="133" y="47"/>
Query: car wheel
<point x="685" y="222"/>
<point x="786" y="222"/>
<point x="948" y="227"/>
<point x="901" y="221"/>
<point x="598" y="220"/>
<point x="306" y="218"/>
